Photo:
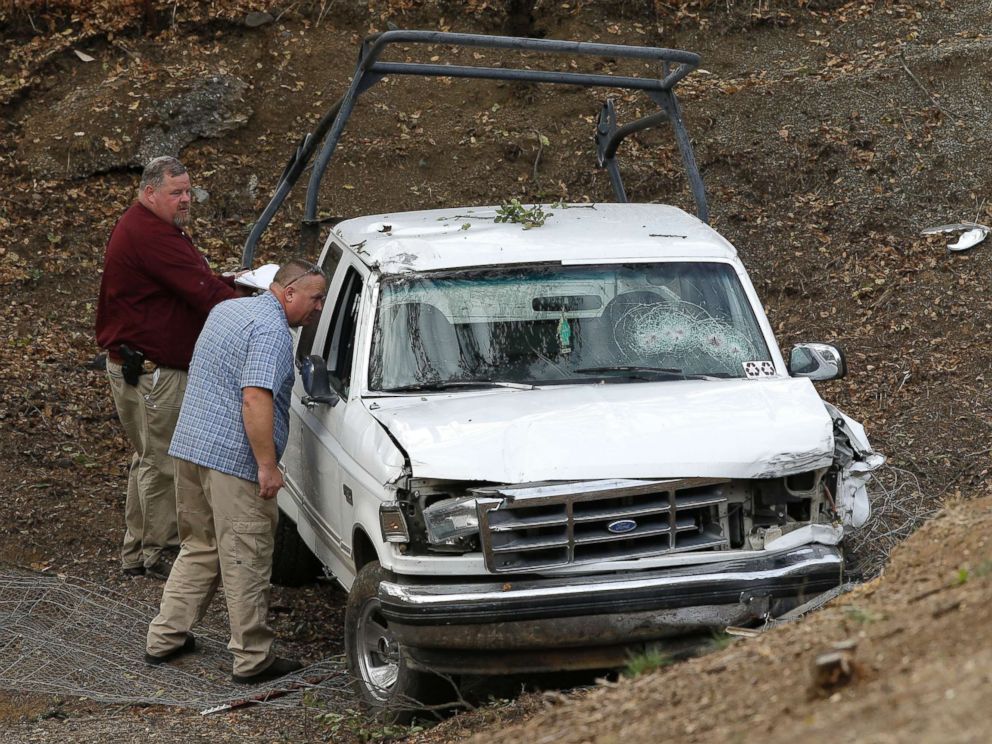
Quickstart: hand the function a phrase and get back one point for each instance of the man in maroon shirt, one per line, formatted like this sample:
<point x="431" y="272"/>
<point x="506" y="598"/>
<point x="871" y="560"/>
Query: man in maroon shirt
<point x="155" y="294"/>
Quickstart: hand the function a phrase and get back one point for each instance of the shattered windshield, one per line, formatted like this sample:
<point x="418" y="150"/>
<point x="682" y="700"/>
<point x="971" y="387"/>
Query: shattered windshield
<point x="540" y="325"/>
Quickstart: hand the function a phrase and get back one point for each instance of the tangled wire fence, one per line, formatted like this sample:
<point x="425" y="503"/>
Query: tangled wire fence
<point x="65" y="636"/>
<point x="898" y="508"/>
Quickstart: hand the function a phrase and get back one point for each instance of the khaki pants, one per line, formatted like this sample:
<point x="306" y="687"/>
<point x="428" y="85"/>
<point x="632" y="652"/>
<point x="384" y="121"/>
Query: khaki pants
<point x="227" y="533"/>
<point x="149" y="411"/>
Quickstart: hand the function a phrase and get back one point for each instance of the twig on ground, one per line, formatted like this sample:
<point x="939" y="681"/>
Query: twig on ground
<point x="902" y="59"/>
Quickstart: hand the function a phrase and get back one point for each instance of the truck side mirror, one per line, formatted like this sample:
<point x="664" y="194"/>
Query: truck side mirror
<point x="817" y="362"/>
<point x="313" y="372"/>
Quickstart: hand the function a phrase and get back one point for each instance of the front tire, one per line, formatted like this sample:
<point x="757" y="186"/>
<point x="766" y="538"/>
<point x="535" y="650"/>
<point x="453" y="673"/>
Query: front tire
<point x="375" y="659"/>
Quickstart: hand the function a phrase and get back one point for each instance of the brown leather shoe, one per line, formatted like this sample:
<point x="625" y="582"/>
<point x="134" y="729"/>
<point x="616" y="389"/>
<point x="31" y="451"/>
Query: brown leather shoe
<point x="278" y="668"/>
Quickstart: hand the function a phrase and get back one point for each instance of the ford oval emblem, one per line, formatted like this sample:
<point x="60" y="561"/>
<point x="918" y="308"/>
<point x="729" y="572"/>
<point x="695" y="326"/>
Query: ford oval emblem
<point x="622" y="526"/>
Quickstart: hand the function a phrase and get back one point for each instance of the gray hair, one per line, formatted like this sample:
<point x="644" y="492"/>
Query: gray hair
<point x="158" y="168"/>
<point x="294" y="269"/>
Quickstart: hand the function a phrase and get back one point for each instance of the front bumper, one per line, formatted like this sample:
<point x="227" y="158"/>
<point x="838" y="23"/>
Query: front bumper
<point x="518" y="625"/>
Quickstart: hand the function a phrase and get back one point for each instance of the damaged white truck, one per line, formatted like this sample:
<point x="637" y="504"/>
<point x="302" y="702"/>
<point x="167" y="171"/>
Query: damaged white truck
<point x="539" y="449"/>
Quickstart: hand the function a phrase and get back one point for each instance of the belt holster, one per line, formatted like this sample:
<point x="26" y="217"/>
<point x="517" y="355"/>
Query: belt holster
<point x="132" y="364"/>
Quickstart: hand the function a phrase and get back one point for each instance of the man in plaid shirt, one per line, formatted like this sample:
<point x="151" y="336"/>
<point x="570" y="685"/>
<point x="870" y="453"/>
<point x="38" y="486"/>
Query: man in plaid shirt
<point x="231" y="432"/>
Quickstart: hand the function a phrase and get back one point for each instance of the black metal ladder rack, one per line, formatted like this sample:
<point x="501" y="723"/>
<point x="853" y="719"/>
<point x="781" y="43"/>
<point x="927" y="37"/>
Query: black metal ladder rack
<point x="675" y="65"/>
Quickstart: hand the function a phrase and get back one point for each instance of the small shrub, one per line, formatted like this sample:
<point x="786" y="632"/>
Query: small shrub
<point x="650" y="661"/>
<point x="861" y="615"/>
<point x="720" y="641"/>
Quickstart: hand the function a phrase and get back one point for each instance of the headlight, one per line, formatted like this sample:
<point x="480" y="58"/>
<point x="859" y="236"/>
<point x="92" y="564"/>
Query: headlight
<point x="450" y="519"/>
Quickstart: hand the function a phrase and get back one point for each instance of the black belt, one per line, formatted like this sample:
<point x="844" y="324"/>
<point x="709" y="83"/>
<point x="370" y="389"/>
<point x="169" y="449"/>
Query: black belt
<point x="147" y="366"/>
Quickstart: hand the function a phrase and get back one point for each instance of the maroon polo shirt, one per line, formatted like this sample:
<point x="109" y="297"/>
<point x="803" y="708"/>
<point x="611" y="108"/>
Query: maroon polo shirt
<point x="156" y="290"/>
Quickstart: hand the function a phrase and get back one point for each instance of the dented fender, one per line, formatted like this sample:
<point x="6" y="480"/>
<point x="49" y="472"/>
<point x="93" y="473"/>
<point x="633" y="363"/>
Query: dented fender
<point x="856" y="461"/>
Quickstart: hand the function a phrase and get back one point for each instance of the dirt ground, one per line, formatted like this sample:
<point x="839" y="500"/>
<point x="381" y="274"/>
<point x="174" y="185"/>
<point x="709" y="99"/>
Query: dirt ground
<point x="828" y="134"/>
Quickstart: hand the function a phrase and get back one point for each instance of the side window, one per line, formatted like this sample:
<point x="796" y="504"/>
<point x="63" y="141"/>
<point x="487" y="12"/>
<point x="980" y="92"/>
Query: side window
<point x="340" y="344"/>
<point x="307" y="334"/>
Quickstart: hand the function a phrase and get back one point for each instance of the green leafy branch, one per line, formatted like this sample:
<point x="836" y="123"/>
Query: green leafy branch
<point x="514" y="211"/>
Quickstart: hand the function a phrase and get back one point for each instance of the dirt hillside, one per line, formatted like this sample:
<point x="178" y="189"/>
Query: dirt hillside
<point x="919" y="666"/>
<point x="829" y="134"/>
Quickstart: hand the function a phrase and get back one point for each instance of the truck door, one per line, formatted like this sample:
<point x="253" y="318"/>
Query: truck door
<point x="324" y="454"/>
<point x="298" y="479"/>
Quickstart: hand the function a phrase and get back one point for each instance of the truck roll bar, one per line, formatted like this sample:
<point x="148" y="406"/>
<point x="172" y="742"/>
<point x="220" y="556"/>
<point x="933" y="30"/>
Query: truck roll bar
<point x="675" y="65"/>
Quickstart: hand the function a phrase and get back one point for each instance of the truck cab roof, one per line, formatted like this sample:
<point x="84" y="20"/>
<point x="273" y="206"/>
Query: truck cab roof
<point x="439" y="239"/>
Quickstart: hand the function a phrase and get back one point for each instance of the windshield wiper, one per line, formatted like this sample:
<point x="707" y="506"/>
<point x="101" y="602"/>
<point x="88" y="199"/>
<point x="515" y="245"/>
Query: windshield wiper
<point x="641" y="373"/>
<point x="421" y="387"/>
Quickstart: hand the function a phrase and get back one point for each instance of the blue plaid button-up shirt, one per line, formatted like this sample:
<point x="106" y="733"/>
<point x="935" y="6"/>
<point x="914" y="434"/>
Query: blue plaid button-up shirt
<point x="245" y="343"/>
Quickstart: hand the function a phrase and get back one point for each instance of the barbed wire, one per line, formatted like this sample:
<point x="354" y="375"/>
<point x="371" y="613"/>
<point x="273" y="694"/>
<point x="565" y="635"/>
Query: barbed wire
<point x="66" y="636"/>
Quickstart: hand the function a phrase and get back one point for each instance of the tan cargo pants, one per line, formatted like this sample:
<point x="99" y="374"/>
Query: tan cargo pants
<point x="227" y="533"/>
<point x="148" y="411"/>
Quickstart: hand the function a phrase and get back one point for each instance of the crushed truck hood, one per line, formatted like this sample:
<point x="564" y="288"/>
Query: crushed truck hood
<point x="725" y="428"/>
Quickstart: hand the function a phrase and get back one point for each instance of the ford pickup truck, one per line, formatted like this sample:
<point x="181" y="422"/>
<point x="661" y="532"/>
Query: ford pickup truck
<point x="538" y="437"/>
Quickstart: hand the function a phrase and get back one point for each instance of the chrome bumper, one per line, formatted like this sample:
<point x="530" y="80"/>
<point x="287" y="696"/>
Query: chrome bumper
<point x="809" y="570"/>
<point x="579" y="612"/>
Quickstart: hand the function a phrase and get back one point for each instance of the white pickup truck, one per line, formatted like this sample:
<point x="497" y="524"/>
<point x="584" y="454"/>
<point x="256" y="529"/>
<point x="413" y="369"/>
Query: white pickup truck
<point x="536" y="438"/>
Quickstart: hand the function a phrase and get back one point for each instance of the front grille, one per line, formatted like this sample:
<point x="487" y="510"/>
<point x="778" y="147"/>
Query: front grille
<point x="558" y="524"/>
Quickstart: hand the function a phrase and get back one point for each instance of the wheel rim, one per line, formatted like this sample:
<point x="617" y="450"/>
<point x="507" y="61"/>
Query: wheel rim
<point x="378" y="651"/>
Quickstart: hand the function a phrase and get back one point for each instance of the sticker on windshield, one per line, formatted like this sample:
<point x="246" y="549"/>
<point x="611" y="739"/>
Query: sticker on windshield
<point x="754" y="370"/>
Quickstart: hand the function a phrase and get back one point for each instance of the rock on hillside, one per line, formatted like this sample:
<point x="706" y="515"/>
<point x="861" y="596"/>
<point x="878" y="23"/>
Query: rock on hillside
<point x="125" y="121"/>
